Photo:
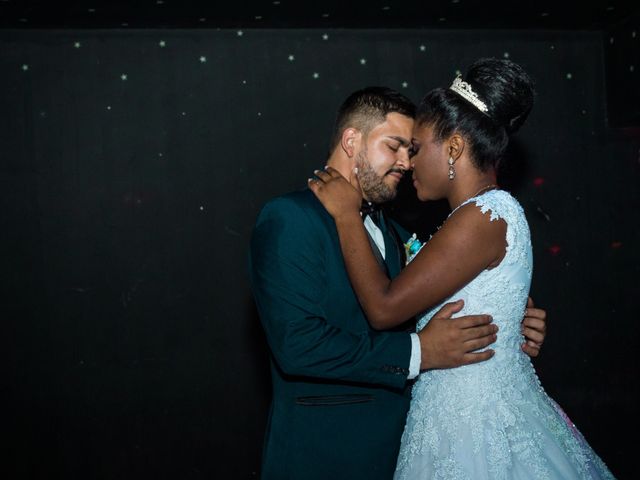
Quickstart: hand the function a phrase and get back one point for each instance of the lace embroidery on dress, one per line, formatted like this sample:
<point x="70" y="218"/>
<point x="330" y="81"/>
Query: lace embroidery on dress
<point x="493" y="420"/>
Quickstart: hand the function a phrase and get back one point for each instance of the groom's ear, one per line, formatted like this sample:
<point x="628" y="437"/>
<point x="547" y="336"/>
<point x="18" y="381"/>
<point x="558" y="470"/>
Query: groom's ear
<point x="350" y="141"/>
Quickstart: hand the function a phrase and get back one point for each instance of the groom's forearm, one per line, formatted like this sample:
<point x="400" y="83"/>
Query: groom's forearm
<point x="313" y="348"/>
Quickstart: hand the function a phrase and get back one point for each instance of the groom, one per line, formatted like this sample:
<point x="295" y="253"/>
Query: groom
<point x="340" y="388"/>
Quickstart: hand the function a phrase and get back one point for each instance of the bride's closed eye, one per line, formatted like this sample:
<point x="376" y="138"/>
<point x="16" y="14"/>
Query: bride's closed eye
<point x="413" y="150"/>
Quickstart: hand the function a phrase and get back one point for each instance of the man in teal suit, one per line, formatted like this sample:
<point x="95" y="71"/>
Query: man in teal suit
<point x="340" y="388"/>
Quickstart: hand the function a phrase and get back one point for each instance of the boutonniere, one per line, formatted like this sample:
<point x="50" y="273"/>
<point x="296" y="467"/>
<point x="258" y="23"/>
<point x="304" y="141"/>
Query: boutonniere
<point x="412" y="247"/>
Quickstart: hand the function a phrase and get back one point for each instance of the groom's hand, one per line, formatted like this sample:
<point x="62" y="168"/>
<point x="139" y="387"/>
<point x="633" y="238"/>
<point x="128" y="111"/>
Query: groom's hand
<point x="534" y="329"/>
<point x="447" y="342"/>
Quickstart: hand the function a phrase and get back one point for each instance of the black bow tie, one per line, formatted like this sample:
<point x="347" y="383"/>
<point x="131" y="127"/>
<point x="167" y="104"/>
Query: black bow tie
<point x="368" y="208"/>
<point x="374" y="212"/>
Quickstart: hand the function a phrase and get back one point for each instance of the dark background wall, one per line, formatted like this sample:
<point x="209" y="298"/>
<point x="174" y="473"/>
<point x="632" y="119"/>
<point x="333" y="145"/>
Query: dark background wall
<point x="133" y="164"/>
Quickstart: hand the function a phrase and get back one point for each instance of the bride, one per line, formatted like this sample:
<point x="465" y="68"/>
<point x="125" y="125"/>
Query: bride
<point x="490" y="420"/>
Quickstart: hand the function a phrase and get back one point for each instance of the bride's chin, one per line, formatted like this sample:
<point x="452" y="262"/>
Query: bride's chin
<point x="422" y="196"/>
<point x="426" y="196"/>
<point x="422" y="193"/>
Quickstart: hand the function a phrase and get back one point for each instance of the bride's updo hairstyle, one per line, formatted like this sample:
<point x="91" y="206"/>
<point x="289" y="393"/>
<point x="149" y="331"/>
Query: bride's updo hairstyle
<point x="506" y="91"/>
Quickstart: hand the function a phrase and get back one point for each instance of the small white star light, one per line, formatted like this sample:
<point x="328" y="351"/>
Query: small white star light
<point x="569" y="76"/>
<point x="505" y="54"/>
<point x="423" y="48"/>
<point x="239" y="33"/>
<point x="162" y="43"/>
<point x="124" y="77"/>
<point x="363" y="61"/>
<point x="291" y="58"/>
<point x="405" y="84"/>
<point x="203" y="59"/>
<point x="316" y="75"/>
<point x="325" y="36"/>
<point x="458" y="72"/>
<point x="25" y="67"/>
<point x="77" y="45"/>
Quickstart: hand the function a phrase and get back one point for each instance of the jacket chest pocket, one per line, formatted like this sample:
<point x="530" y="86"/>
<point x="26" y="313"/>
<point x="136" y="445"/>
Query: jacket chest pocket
<point x="332" y="400"/>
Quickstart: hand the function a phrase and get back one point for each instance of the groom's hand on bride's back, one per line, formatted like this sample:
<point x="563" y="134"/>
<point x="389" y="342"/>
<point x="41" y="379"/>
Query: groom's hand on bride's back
<point x="534" y="329"/>
<point x="450" y="342"/>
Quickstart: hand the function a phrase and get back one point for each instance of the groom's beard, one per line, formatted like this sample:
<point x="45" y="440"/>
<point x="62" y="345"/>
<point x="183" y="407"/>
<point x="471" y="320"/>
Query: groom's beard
<point x="372" y="184"/>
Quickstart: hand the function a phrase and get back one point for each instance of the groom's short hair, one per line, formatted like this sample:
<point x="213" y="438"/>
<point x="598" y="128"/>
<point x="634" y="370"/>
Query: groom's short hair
<point x="366" y="108"/>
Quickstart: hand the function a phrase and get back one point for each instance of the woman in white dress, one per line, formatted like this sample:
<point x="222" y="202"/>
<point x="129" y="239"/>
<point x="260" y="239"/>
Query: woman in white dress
<point x="490" y="420"/>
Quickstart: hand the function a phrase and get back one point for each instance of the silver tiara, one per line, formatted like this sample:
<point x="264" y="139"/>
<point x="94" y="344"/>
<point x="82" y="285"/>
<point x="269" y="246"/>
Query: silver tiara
<point x="465" y="91"/>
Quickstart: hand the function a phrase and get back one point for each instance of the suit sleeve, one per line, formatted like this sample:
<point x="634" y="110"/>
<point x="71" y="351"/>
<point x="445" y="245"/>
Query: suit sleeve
<point x="288" y="282"/>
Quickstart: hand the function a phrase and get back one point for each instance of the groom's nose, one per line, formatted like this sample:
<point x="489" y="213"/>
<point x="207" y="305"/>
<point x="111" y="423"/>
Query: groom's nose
<point x="403" y="161"/>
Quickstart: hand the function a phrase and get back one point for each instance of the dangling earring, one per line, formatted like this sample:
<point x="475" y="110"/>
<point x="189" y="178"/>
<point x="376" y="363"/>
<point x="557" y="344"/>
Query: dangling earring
<point x="452" y="172"/>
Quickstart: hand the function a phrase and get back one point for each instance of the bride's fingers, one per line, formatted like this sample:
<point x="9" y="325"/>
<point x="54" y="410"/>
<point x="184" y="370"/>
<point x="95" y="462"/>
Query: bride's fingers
<point x="332" y="172"/>
<point x="313" y="184"/>
<point x="322" y="175"/>
<point x="316" y="186"/>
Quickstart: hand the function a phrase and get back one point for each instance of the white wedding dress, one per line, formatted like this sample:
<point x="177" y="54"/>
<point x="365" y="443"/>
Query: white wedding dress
<point x="493" y="420"/>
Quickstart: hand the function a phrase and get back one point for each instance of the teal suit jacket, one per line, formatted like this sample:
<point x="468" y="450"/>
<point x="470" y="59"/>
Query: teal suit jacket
<point x="340" y="393"/>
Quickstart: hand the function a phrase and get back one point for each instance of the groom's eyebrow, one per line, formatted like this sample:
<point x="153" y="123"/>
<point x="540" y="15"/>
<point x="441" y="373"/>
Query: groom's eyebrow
<point x="403" y="141"/>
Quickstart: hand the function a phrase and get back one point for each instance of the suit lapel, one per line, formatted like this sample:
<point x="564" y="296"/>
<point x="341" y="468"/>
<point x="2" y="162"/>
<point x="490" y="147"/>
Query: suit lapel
<point x="378" y="254"/>
<point x="392" y="249"/>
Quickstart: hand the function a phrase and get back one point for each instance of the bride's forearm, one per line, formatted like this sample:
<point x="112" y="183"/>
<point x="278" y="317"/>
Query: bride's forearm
<point x="369" y="282"/>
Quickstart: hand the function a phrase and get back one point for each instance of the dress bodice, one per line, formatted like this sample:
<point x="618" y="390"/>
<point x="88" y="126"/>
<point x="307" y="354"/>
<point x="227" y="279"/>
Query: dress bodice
<point x="502" y="291"/>
<point x="493" y="420"/>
